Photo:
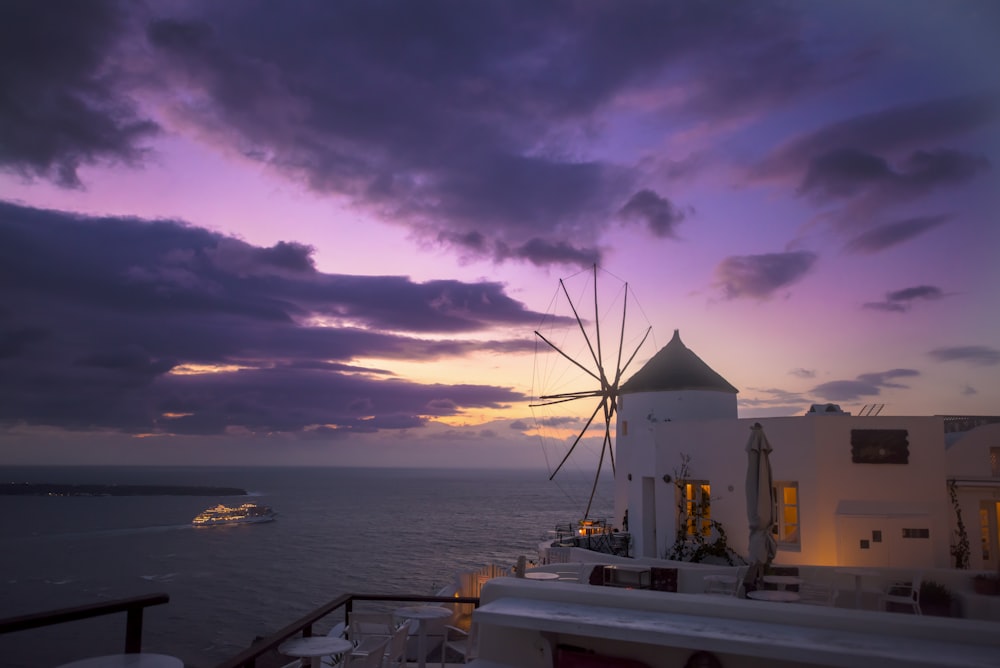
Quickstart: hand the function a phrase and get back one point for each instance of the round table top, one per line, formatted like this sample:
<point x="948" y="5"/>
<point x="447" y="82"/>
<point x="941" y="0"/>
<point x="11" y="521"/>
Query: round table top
<point x="773" y="595"/>
<point x="542" y="575"/>
<point x="315" y="646"/>
<point x="139" y="660"/>
<point x="423" y="612"/>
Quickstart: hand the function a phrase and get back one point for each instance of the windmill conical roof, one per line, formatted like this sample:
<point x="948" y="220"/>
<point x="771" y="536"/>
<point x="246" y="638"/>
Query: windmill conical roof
<point x="675" y="367"/>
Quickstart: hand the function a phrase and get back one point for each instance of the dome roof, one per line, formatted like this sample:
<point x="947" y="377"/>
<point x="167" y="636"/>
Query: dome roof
<point x="674" y="368"/>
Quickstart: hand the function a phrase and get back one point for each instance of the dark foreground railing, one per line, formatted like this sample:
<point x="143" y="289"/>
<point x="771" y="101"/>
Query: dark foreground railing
<point x="248" y="657"/>
<point x="133" y="607"/>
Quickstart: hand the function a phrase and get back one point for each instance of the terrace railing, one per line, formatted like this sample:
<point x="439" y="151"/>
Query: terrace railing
<point x="304" y="625"/>
<point x="133" y="607"/>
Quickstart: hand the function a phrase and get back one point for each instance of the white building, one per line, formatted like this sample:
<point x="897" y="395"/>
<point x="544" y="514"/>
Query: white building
<point x="850" y="490"/>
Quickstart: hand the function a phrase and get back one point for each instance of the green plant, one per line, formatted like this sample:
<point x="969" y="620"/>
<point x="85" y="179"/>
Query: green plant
<point x="701" y="544"/>
<point x="960" y="548"/>
<point x="934" y="593"/>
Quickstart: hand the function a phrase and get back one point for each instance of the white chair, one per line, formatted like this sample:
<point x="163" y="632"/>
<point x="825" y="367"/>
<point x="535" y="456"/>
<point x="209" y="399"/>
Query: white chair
<point x="815" y="593"/>
<point x="395" y="650"/>
<point x="371" y="659"/>
<point x="727" y="585"/>
<point x="903" y="593"/>
<point x="461" y="642"/>
<point x="368" y="630"/>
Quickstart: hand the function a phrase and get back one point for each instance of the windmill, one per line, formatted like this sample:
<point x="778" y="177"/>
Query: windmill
<point x="598" y="368"/>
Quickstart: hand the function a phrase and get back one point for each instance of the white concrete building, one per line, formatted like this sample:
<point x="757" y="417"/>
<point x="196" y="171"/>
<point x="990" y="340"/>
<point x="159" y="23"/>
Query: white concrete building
<point x="850" y="490"/>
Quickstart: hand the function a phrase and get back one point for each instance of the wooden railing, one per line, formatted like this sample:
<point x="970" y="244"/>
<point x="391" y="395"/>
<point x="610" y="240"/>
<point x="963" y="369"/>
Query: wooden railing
<point x="303" y="625"/>
<point x="133" y="607"/>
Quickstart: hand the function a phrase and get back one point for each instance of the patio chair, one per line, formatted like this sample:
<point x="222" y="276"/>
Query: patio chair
<point x="903" y="594"/>
<point x="461" y="642"/>
<point x="371" y="659"/>
<point x="726" y="585"/>
<point x="368" y="630"/>
<point x="395" y="649"/>
<point x="815" y="593"/>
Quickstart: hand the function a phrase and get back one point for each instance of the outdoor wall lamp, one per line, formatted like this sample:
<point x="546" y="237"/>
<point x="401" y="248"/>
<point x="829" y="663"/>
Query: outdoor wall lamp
<point x="667" y="478"/>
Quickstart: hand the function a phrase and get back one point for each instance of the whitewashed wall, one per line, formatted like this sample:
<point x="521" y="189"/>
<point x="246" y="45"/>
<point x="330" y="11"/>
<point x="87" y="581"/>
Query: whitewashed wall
<point x="814" y="451"/>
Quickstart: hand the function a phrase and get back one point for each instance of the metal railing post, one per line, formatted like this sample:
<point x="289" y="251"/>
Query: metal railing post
<point x="133" y="630"/>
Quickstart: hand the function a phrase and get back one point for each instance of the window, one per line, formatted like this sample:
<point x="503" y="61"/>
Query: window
<point x="786" y="509"/>
<point x="916" y="533"/>
<point x="698" y="507"/>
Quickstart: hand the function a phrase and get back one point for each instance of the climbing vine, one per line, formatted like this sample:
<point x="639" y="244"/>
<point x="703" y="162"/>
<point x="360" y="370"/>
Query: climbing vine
<point x="960" y="548"/>
<point x="700" y="544"/>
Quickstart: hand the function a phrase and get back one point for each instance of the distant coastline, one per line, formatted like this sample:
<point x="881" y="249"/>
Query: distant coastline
<point x="47" y="489"/>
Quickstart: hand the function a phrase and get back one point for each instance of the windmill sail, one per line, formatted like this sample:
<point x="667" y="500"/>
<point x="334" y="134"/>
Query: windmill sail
<point x="599" y="379"/>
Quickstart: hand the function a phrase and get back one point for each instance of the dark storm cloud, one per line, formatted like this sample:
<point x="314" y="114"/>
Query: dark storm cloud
<point x="892" y="234"/>
<point x="902" y="129"/>
<point x="61" y="105"/>
<point x="874" y="183"/>
<point x="876" y="161"/>
<point x="760" y="276"/>
<point x="98" y="311"/>
<point x="869" y="384"/>
<point x="974" y="355"/>
<point x="657" y="213"/>
<point x="463" y="120"/>
<point x="900" y="301"/>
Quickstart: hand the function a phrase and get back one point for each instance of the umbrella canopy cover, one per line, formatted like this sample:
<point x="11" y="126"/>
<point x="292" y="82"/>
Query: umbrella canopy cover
<point x="760" y="503"/>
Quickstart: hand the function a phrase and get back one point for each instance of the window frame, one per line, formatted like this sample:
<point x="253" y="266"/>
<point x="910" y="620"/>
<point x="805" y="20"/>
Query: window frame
<point x="702" y="495"/>
<point x="781" y="526"/>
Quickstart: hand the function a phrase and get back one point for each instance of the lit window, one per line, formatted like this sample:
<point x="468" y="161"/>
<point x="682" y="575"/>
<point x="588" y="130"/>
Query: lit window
<point x="786" y="509"/>
<point x="698" y="507"/>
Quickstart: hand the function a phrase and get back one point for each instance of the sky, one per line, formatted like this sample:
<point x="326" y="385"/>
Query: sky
<point x="326" y="233"/>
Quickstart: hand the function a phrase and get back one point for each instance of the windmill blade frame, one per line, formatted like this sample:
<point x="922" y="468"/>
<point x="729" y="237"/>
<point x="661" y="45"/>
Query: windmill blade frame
<point x="595" y="370"/>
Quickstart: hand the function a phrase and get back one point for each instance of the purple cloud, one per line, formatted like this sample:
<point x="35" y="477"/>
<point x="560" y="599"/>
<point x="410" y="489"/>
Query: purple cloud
<point x="892" y="234"/>
<point x="760" y="276"/>
<point x="657" y="213"/>
<point x="974" y="355"/>
<point x="106" y="320"/>
<point x="850" y="147"/>
<point x="869" y="384"/>
<point x="61" y="108"/>
<point x="900" y="301"/>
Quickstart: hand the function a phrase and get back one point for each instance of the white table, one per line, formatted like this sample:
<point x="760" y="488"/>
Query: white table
<point x="138" y="660"/>
<point x="780" y="595"/>
<point x="858" y="574"/>
<point x="315" y="647"/>
<point x="423" y="614"/>
<point x="541" y="575"/>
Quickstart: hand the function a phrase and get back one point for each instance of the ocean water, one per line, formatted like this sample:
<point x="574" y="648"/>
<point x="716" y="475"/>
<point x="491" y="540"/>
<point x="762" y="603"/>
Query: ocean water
<point x="386" y="531"/>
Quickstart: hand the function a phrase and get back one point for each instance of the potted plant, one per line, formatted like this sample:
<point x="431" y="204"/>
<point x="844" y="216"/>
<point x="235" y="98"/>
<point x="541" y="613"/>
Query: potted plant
<point x="935" y="599"/>
<point x="986" y="583"/>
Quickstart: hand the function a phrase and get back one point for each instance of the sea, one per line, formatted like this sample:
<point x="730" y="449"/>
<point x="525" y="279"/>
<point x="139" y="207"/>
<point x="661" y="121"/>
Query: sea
<point x="338" y="530"/>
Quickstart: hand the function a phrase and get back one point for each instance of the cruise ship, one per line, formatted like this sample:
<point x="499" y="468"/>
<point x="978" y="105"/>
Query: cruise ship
<point x="244" y="514"/>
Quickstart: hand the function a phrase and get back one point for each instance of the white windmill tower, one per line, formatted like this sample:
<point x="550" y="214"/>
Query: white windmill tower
<point x="675" y="385"/>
